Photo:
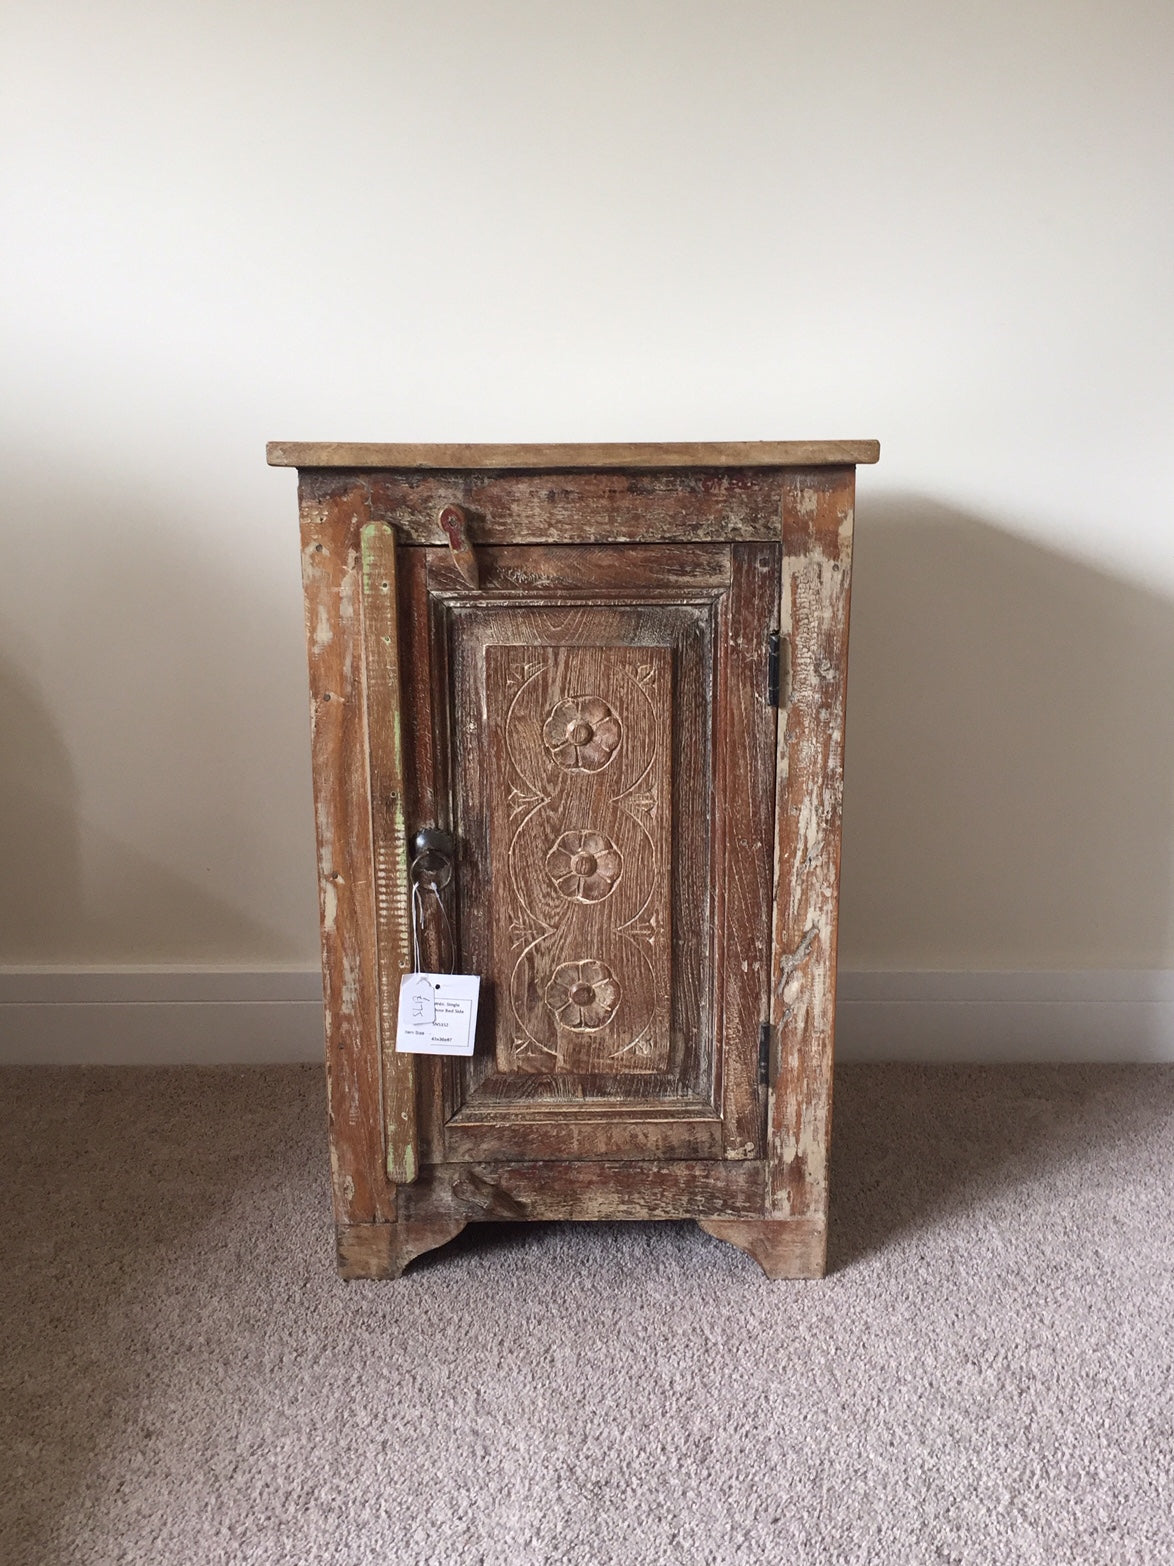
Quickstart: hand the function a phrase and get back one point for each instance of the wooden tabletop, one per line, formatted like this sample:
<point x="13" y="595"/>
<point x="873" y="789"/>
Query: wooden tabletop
<point x="619" y="454"/>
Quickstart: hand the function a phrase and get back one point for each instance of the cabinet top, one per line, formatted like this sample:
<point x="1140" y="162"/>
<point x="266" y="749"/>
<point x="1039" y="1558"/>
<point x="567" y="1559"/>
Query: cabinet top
<point x="611" y="454"/>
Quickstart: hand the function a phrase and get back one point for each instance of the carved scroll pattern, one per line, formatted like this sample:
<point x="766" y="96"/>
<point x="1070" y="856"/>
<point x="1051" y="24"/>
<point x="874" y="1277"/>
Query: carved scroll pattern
<point x="580" y="818"/>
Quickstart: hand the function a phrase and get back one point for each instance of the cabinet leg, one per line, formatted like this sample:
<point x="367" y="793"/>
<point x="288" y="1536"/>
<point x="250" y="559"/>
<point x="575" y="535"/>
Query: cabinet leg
<point x="383" y="1250"/>
<point x="782" y="1247"/>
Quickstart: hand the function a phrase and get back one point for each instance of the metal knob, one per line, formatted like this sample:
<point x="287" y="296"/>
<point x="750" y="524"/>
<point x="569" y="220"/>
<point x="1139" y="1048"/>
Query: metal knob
<point x="433" y="852"/>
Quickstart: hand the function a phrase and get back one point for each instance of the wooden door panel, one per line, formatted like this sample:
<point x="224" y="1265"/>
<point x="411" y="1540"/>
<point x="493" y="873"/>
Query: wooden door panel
<point x="578" y="745"/>
<point x="579" y="818"/>
<point x="681" y="640"/>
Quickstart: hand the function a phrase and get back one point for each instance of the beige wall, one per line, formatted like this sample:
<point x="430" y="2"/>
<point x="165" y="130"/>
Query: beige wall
<point x="949" y="227"/>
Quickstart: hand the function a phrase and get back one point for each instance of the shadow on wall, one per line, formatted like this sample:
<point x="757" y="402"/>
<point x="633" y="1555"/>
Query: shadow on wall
<point x="1009" y="797"/>
<point x="56" y="905"/>
<point x="154" y="756"/>
<point x="1009" y="793"/>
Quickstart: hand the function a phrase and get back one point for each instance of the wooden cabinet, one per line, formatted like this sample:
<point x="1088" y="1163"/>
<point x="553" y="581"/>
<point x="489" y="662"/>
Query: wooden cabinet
<point x="614" y="676"/>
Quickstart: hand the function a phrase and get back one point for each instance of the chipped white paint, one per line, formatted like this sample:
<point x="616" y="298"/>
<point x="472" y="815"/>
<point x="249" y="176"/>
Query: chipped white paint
<point x="324" y="821"/>
<point x="349" y="993"/>
<point x="323" y="629"/>
<point x="329" y="906"/>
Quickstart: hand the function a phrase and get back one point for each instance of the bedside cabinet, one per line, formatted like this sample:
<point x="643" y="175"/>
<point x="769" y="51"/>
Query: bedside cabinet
<point x="607" y="685"/>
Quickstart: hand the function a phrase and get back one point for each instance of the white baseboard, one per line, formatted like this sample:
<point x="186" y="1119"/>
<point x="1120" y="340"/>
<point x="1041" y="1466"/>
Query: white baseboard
<point x="159" y="1016"/>
<point x="1091" y="1014"/>
<point x="231" y="1016"/>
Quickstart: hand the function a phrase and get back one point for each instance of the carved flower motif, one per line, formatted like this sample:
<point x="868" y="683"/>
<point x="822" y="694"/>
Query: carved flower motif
<point x="583" y="995"/>
<point x="582" y="733"/>
<point x="584" y="865"/>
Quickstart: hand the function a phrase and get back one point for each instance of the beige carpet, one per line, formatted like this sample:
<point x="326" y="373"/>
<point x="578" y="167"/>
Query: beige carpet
<point x="987" y="1376"/>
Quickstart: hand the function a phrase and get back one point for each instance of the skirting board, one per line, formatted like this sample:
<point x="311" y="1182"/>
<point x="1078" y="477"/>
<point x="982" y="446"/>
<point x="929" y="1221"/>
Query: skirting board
<point x="232" y="1016"/>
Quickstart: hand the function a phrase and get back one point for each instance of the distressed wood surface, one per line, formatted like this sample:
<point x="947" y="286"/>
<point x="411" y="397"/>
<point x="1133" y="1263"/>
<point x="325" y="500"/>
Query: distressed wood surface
<point x="743" y="834"/>
<point x="426" y="771"/>
<point x="520" y="1134"/>
<point x="613" y="454"/>
<point x="393" y="941"/>
<point x="817" y="556"/>
<point x="782" y="1247"/>
<point x="580" y="814"/>
<point x="688" y="1140"/>
<point x="680" y="506"/>
<point x="383" y="1250"/>
<point x="332" y="578"/>
<point x="572" y="572"/>
<point x="479" y="629"/>
<point x="595" y="1189"/>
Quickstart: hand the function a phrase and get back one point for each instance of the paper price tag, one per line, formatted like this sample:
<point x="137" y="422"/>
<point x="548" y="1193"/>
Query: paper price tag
<point x="437" y="1013"/>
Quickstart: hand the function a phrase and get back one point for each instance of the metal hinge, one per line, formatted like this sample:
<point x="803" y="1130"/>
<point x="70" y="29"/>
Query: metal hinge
<point x="765" y="1035"/>
<point x="778" y="669"/>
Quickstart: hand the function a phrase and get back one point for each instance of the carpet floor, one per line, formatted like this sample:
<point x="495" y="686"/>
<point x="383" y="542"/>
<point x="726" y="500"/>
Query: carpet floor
<point x="986" y="1376"/>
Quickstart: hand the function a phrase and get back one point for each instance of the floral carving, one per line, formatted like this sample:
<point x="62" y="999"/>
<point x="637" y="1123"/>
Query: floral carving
<point x="582" y="733"/>
<point x="584" y="866"/>
<point x="583" y="995"/>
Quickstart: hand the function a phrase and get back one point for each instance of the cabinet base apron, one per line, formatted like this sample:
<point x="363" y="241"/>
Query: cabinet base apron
<point x="782" y="1247"/>
<point x="725" y="1198"/>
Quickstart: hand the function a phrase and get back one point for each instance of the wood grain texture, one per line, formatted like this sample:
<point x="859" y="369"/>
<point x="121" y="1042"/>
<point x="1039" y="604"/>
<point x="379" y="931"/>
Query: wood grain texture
<point x="596" y="1189"/>
<point x="782" y="1247"/>
<point x="521" y="1135"/>
<point x="571" y="572"/>
<point x="817" y="555"/>
<point x="413" y="731"/>
<point x="393" y="944"/>
<point x="613" y="454"/>
<point x="346" y="883"/>
<point x="743" y="833"/>
<point x="680" y="506"/>
<point x="426" y="777"/>
<point x="688" y="629"/>
<point x="580" y="815"/>
<point x="383" y="1250"/>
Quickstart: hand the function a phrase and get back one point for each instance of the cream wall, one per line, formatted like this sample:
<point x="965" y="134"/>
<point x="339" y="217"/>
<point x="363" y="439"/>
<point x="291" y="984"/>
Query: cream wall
<point x="946" y="226"/>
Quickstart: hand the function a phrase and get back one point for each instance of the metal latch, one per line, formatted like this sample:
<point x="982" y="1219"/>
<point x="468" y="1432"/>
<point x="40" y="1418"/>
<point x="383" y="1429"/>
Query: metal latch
<point x="765" y="1035"/>
<point x="455" y="525"/>
<point x="778" y="669"/>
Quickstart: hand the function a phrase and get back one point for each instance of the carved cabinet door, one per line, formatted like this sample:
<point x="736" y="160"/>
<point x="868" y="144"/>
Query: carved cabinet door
<point x="594" y="726"/>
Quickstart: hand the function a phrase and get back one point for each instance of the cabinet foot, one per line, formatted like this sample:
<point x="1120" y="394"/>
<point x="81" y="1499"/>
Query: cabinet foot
<point x="782" y="1247"/>
<point x="383" y="1250"/>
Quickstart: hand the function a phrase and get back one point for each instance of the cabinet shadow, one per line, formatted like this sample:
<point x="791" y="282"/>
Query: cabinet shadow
<point x="913" y="1145"/>
<point x="160" y="704"/>
<point x="1009" y="788"/>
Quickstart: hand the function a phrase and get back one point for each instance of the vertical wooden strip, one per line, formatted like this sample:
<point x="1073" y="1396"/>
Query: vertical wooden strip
<point x="342" y="807"/>
<point x="747" y="743"/>
<point x="817" y="551"/>
<point x="426" y="806"/>
<point x="385" y="713"/>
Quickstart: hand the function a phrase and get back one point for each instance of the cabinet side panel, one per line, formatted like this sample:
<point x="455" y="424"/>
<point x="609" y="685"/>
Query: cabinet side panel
<point x="816" y="573"/>
<point x="331" y="558"/>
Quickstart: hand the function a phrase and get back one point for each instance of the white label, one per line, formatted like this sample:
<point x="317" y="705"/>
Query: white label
<point x="437" y="1013"/>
